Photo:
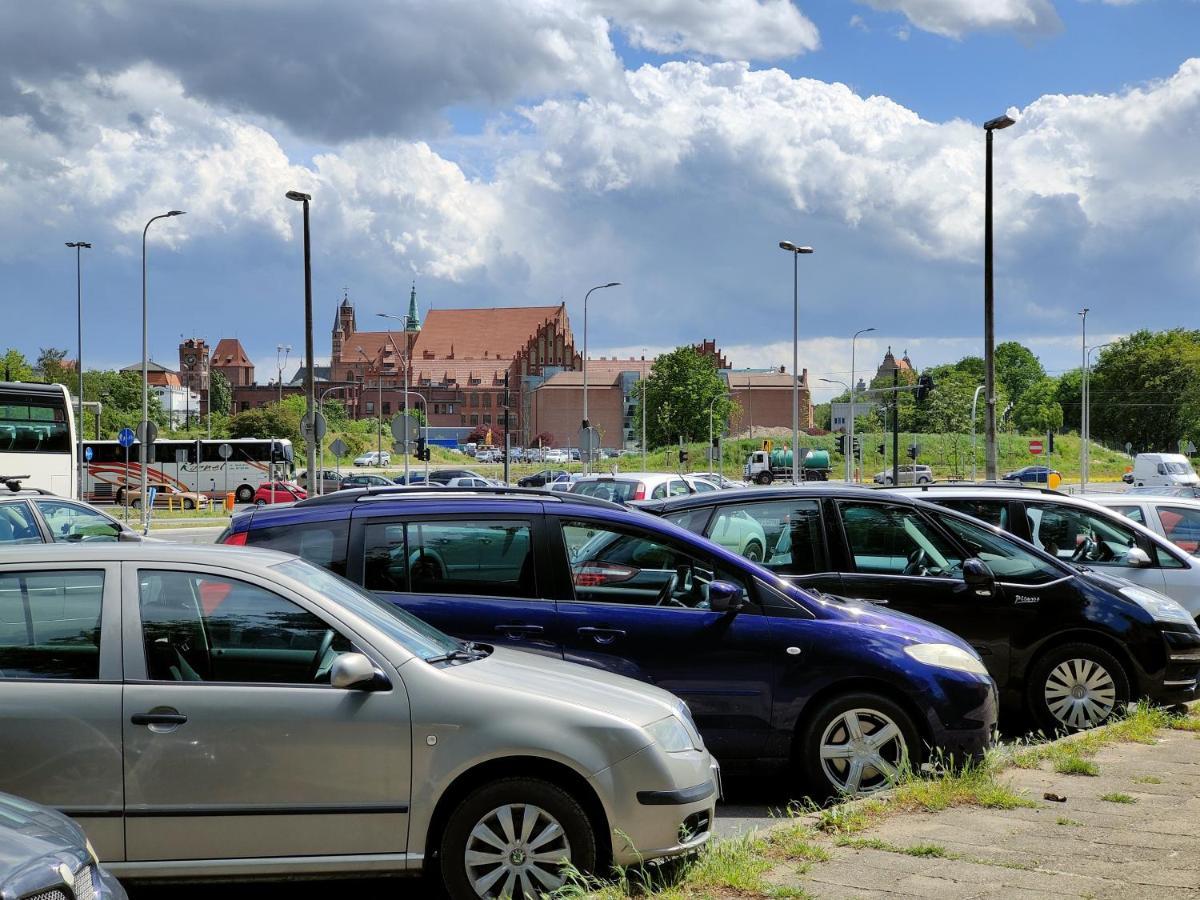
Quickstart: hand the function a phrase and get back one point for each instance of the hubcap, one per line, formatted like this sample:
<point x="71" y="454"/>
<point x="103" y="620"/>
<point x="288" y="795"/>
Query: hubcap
<point x="862" y="751"/>
<point x="1080" y="693"/>
<point x="516" y="852"/>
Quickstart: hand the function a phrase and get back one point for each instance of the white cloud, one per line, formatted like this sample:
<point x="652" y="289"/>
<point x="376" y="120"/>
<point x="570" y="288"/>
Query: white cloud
<point x="954" y="18"/>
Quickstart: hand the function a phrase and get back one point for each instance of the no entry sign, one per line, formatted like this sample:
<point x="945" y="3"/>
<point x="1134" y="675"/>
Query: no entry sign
<point x="1035" y="447"/>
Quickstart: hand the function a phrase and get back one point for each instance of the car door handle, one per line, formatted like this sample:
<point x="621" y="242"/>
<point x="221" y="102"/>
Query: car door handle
<point x="161" y="718"/>
<point x="520" y="629"/>
<point x="600" y="635"/>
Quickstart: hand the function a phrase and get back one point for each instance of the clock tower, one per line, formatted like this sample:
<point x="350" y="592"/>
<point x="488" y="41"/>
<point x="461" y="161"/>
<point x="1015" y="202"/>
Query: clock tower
<point x="193" y="369"/>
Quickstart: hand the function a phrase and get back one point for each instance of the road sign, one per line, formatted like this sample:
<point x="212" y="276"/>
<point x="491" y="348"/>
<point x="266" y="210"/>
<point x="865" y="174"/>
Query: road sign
<point x="125" y="437"/>
<point x="1191" y="449"/>
<point x="1035" y="447"/>
<point x="147" y="432"/>
<point x="1129" y="448"/>
<point x="87" y="453"/>
<point x="400" y="427"/>
<point x="338" y="448"/>
<point x="225" y="451"/>
<point x="588" y="440"/>
<point x="306" y="428"/>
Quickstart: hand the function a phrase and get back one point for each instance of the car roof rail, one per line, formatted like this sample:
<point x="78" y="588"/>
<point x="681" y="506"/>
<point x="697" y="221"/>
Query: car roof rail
<point x="420" y="491"/>
<point x="1006" y="485"/>
<point x="12" y="484"/>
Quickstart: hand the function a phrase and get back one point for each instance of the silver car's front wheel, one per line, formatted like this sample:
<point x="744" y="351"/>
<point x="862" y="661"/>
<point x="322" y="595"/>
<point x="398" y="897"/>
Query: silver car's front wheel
<point x="517" y="850"/>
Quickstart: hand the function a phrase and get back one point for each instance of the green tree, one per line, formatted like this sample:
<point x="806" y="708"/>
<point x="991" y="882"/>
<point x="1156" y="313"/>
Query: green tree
<point x="947" y="408"/>
<point x="15" y="367"/>
<point x="1067" y="391"/>
<point x="276" y="420"/>
<point x="679" y="389"/>
<point x="220" y="394"/>
<point x="51" y="364"/>
<point x="1017" y="369"/>
<point x="1038" y="410"/>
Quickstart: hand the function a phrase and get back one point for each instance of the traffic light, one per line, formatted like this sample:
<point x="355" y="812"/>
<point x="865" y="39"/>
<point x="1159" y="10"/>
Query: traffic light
<point x="423" y="453"/>
<point x="841" y="444"/>
<point x="914" y="450"/>
<point x="857" y="447"/>
<point x="879" y="448"/>
<point x="683" y="457"/>
<point x="427" y="455"/>
<point x="1050" y="442"/>
<point x="924" y="386"/>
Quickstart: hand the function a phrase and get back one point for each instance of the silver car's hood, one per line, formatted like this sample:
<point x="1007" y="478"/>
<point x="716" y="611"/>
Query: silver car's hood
<point x="541" y="676"/>
<point x="29" y="832"/>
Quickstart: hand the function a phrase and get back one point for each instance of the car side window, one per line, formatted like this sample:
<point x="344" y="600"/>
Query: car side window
<point x="201" y="627"/>
<point x="71" y="522"/>
<point x="1004" y="556"/>
<point x="994" y="512"/>
<point x="1078" y="534"/>
<point x="50" y="624"/>
<point x="1133" y="513"/>
<point x="703" y="487"/>
<point x="609" y="565"/>
<point x="1181" y="524"/>
<point x="895" y="540"/>
<point x="659" y="492"/>
<point x="17" y="525"/>
<point x="784" y="535"/>
<point x="321" y="543"/>
<point x="488" y="558"/>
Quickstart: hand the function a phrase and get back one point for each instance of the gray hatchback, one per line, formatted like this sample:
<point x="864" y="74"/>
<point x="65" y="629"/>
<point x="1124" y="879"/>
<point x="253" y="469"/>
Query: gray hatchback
<point x="211" y="712"/>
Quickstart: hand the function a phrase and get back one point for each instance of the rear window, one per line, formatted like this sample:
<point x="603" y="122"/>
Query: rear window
<point x="321" y="543"/>
<point x="616" y="491"/>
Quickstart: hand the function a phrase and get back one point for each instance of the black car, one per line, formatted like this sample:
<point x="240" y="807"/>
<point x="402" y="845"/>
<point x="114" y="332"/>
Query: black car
<point x="444" y="476"/>
<point x="540" y="479"/>
<point x="1065" y="643"/>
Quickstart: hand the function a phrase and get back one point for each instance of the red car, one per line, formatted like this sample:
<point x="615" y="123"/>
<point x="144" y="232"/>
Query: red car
<point x="285" y="492"/>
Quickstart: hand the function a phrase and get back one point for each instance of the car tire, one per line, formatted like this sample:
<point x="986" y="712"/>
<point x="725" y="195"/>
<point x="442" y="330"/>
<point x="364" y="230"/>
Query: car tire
<point x="753" y="552"/>
<point x="245" y="493"/>
<point x="922" y="481"/>
<point x="828" y="776"/>
<point x="120" y="497"/>
<point x="486" y="808"/>
<point x="1074" y="687"/>
<point x="189" y="504"/>
<point x="763" y="478"/>
<point x="136" y="503"/>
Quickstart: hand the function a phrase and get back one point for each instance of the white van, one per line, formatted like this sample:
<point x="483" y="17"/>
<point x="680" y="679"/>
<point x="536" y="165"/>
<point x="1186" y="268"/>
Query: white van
<point x="1161" y="469"/>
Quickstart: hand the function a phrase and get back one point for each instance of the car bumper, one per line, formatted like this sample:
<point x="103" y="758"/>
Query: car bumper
<point x="108" y="888"/>
<point x="971" y="710"/>
<point x="659" y="804"/>
<point x="1179" y="680"/>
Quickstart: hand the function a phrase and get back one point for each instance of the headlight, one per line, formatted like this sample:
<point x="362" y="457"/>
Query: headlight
<point x="92" y="852"/>
<point x="1161" y="608"/>
<point x="946" y="656"/>
<point x="670" y="734"/>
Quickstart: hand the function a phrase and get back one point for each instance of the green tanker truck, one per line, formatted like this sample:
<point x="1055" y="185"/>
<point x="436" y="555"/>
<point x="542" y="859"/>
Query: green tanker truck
<point x="765" y="466"/>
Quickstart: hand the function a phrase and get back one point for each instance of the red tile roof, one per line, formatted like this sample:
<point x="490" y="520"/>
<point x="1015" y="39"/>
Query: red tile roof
<point x="496" y="333"/>
<point x="229" y="352"/>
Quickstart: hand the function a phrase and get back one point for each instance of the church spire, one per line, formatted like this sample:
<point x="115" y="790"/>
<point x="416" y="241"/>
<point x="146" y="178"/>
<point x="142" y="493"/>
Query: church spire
<point x="414" y="319"/>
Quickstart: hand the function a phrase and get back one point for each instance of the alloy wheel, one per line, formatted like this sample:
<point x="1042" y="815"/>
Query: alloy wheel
<point x="1080" y="693"/>
<point x="517" y="851"/>
<point x="862" y="751"/>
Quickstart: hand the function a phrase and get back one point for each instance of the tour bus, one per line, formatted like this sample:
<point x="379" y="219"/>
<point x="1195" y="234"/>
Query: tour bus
<point x="189" y="465"/>
<point x="37" y="438"/>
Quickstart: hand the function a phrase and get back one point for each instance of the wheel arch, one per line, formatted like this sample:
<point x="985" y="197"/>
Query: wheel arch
<point x="1120" y="653"/>
<point x="854" y="685"/>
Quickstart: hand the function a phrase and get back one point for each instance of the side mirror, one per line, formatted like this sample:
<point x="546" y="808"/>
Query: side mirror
<point x="129" y="536"/>
<point x="353" y="671"/>
<point x="724" y="597"/>
<point x="1137" y="557"/>
<point x="979" y="577"/>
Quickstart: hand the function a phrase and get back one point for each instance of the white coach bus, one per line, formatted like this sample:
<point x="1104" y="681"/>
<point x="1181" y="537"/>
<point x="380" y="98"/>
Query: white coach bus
<point x="37" y="438"/>
<point x="190" y="465"/>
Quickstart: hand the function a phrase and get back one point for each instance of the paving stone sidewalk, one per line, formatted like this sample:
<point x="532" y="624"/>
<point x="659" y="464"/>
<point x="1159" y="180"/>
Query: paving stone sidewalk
<point x="1084" y="847"/>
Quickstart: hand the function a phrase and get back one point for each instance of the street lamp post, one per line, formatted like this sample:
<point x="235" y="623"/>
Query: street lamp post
<point x="989" y="303"/>
<point x="849" y="440"/>
<point x="78" y="247"/>
<point x="587" y="456"/>
<point x="309" y="373"/>
<point x="379" y="407"/>
<point x="644" y="410"/>
<point x="143" y="454"/>
<point x="852" y="473"/>
<point x="280" y="362"/>
<point x="1085" y="468"/>
<point x="974" y="400"/>
<point x="405" y="319"/>
<point x="1083" y="398"/>
<point x="311" y="473"/>
<point x="795" y="251"/>
<point x="710" y="424"/>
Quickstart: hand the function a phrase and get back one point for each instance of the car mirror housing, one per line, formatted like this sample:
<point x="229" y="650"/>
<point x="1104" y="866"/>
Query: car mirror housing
<point x="978" y="576"/>
<point x="353" y="671"/>
<point x="126" y="535"/>
<point x="1137" y="557"/>
<point x="724" y="596"/>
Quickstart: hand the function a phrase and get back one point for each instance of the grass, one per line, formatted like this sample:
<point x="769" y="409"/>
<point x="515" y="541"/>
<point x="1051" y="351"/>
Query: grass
<point x="1140" y="725"/>
<point x="1065" y="821"/>
<point x="1147" y="779"/>
<point x="1118" y="797"/>
<point x="1076" y="765"/>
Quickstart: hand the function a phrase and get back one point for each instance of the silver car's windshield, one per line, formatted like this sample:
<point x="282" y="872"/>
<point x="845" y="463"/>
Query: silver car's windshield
<point x="417" y="637"/>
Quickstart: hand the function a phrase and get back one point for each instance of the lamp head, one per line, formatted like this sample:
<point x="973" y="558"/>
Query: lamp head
<point x="298" y="196"/>
<point x="794" y="248"/>
<point x="75" y="244"/>
<point x="613" y="284"/>
<point x="999" y="122"/>
<point x="176" y="212"/>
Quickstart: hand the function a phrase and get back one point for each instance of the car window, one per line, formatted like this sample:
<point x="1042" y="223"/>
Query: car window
<point x="1074" y="533"/>
<point x="201" y="627"/>
<point x="321" y="543"/>
<point x="613" y="566"/>
<point x="678" y="487"/>
<point x="17" y="525"/>
<point x="895" y="540"/>
<point x="72" y="522"/>
<point x="1133" y="513"/>
<point x="50" y="624"/>
<point x="1181" y="524"/>
<point x="607" y="489"/>
<point x="489" y="558"/>
<point x="784" y="535"/>
<point x="994" y="512"/>
<point x="1007" y="559"/>
<point x="702" y="486"/>
<point x="659" y="492"/>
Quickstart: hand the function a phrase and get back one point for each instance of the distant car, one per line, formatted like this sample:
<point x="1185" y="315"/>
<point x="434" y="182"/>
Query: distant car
<point x="565" y="482"/>
<point x="1178" y="490"/>
<point x="575" y="454"/>
<point x="626" y="486"/>
<point x="725" y="484"/>
<point x="363" y="481"/>
<point x="908" y="475"/>
<point x="166" y="496"/>
<point x="1032" y="475"/>
<point x="330" y="480"/>
<point x="45" y="856"/>
<point x="374" y="458"/>
<point x="443" y="476"/>
<point x="554" y="456"/>
<point x="32" y="517"/>
<point x="278" y="492"/>
<point x="489" y="455"/>
<point x="540" y="479"/>
<point x="413" y="478"/>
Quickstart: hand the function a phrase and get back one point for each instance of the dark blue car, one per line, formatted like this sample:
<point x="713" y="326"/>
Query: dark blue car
<point x="1032" y="475"/>
<point x="843" y="690"/>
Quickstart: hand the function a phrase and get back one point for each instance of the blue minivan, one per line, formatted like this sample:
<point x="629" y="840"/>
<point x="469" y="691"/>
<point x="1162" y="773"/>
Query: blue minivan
<point x="841" y="692"/>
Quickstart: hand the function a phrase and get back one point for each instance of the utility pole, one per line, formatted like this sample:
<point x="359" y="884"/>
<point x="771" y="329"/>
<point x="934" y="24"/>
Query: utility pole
<point x="507" y="448"/>
<point x="896" y="426"/>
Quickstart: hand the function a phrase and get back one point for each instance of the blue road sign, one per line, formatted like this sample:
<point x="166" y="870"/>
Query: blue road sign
<point x="125" y="438"/>
<point x="87" y="453"/>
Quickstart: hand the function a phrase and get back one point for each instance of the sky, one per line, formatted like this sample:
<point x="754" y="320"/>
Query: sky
<point x="520" y="152"/>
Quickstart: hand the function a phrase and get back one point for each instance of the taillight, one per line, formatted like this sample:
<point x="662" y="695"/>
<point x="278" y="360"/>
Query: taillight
<point x="597" y="574"/>
<point x="234" y="538"/>
<point x="640" y="492"/>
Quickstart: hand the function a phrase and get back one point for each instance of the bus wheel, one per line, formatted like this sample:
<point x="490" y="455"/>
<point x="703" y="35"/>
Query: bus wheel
<point x="245" y="494"/>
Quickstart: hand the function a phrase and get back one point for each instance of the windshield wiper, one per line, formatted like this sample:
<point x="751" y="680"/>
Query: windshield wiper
<point x="467" y="652"/>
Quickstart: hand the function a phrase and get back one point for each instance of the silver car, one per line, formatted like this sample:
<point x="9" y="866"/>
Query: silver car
<point x="210" y="712"/>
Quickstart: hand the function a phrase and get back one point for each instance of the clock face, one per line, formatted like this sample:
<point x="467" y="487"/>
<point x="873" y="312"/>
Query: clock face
<point x="190" y="360"/>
